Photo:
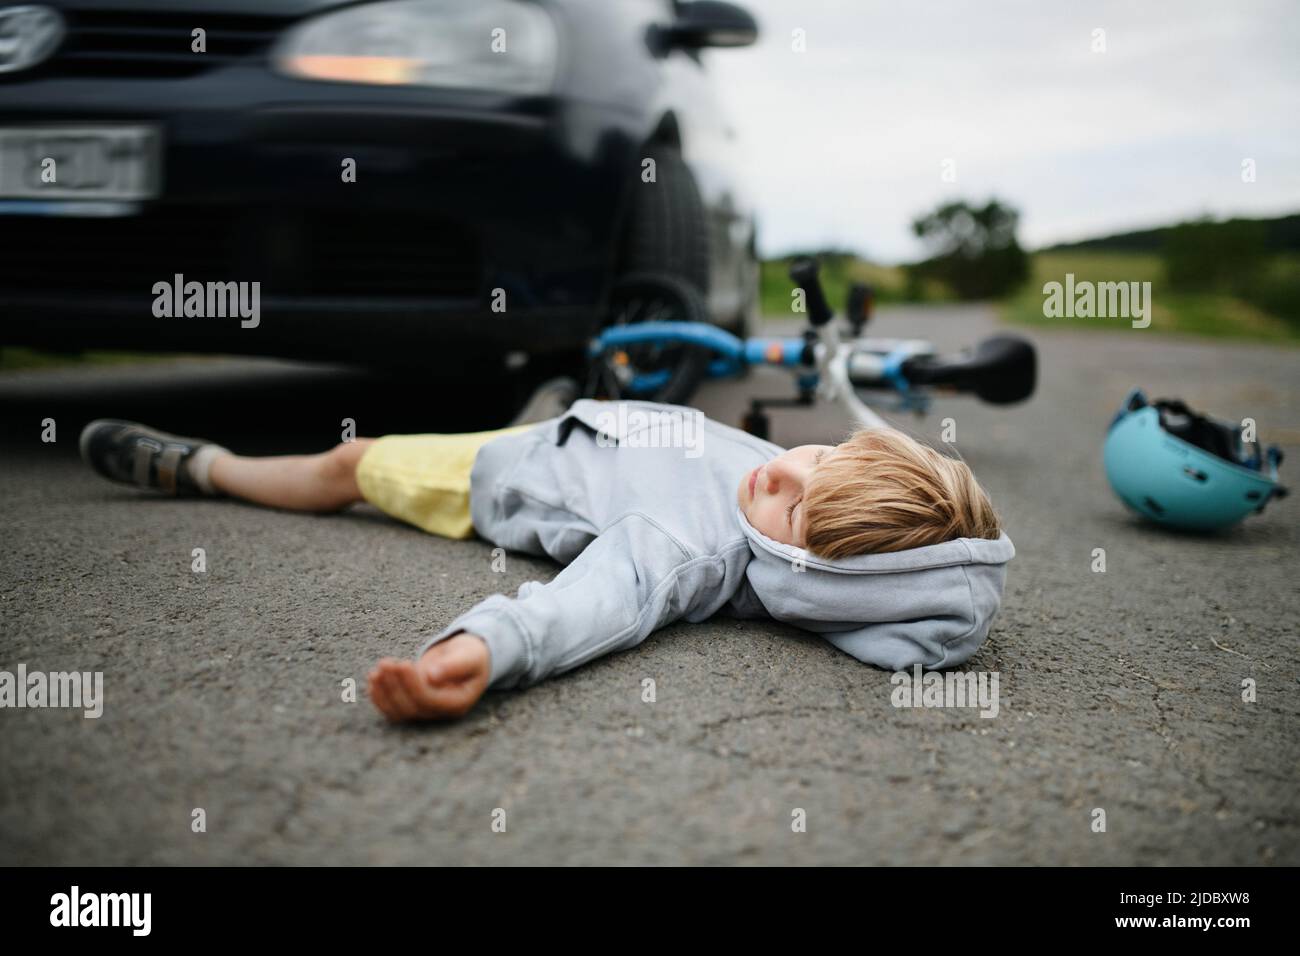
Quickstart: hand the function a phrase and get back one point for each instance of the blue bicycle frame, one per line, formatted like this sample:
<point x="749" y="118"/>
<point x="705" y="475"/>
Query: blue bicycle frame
<point x="732" y="353"/>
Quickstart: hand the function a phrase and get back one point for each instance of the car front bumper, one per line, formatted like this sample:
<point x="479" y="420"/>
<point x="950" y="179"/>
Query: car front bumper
<point x="474" y="222"/>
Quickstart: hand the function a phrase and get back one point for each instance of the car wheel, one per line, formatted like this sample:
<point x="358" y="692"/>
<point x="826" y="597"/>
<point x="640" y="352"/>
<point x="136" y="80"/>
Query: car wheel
<point x="667" y="236"/>
<point x="667" y="230"/>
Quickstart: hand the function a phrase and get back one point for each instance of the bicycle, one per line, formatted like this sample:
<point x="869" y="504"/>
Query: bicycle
<point x="660" y="346"/>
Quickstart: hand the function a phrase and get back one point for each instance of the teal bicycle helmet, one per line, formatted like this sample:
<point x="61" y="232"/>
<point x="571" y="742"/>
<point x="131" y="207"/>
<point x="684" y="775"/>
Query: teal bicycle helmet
<point x="1180" y="468"/>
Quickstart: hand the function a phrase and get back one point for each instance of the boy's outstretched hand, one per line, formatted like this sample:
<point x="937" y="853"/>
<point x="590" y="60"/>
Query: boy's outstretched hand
<point x="445" y="682"/>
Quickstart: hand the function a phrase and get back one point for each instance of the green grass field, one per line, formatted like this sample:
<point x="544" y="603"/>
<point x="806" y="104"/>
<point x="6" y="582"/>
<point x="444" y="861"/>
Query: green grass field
<point x="1271" y="312"/>
<point x="1267" y="308"/>
<point x="1221" y="315"/>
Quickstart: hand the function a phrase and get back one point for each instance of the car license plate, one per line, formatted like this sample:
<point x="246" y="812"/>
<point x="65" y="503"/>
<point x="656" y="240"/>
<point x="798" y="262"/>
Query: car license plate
<point x="80" y="162"/>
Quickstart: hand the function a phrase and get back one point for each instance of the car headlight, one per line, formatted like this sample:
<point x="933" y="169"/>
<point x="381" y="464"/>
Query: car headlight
<point x="504" y="46"/>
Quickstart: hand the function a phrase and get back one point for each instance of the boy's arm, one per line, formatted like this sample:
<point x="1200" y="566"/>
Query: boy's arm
<point x="622" y="587"/>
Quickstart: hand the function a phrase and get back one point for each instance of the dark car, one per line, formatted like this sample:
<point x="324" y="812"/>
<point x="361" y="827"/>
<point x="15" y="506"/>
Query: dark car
<point x="420" y="182"/>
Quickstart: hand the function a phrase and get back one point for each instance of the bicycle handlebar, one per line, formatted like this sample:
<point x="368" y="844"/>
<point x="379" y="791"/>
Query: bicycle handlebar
<point x="1001" y="370"/>
<point x="858" y="309"/>
<point x="803" y="272"/>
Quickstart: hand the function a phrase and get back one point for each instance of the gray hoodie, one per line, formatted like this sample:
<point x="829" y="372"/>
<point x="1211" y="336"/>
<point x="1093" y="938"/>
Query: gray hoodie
<point x="638" y="500"/>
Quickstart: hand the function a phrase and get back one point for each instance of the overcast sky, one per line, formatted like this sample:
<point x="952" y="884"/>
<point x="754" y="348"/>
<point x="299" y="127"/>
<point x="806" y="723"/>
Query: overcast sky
<point x="846" y="142"/>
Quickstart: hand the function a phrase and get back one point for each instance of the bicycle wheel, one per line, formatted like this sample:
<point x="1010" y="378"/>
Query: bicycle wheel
<point x="668" y="372"/>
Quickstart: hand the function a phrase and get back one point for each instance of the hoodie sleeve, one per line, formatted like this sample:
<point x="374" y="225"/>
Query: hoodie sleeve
<point x="624" y="585"/>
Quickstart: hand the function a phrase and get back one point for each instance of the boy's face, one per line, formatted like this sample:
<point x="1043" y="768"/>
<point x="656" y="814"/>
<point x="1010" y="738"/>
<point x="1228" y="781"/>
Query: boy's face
<point x="771" y="495"/>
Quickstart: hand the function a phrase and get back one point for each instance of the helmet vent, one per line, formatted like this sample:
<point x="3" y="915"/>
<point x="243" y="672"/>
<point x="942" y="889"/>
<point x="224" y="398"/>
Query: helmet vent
<point x="1192" y="473"/>
<point x="1153" y="505"/>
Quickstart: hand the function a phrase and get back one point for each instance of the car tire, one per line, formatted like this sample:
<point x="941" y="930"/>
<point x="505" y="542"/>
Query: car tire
<point x="667" y="229"/>
<point x="667" y="235"/>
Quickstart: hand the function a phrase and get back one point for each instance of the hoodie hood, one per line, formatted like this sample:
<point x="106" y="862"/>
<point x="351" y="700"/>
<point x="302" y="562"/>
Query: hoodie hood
<point x="931" y="606"/>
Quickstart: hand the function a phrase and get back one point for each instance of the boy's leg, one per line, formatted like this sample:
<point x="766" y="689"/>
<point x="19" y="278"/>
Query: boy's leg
<point x="323" y="482"/>
<point x="136" y="454"/>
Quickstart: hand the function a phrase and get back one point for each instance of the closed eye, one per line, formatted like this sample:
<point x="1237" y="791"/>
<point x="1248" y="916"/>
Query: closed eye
<point x="789" y="512"/>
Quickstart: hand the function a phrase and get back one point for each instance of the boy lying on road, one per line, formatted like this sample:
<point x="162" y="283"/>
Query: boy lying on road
<point x="886" y="548"/>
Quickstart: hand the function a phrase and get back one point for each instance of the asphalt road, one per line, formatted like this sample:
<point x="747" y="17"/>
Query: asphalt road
<point x="1119" y="690"/>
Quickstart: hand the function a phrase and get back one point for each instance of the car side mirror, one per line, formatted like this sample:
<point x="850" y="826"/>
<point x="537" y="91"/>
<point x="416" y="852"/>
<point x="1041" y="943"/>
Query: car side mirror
<point x="710" y="23"/>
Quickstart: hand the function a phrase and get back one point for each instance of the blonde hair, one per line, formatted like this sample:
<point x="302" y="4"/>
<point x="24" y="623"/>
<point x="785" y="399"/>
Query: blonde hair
<point x="882" y="491"/>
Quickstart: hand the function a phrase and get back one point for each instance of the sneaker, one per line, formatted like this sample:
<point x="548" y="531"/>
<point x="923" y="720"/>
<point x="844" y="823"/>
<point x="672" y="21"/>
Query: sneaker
<point x="137" y="455"/>
<point x="551" y="400"/>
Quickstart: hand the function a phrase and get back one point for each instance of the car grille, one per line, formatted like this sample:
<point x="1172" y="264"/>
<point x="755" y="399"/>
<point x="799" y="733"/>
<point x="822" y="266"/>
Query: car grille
<point x="152" y="44"/>
<point x="326" y="254"/>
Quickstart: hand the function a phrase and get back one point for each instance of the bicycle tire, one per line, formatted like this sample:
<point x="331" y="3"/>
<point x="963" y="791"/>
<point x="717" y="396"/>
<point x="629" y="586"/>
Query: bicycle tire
<point x="664" y="298"/>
